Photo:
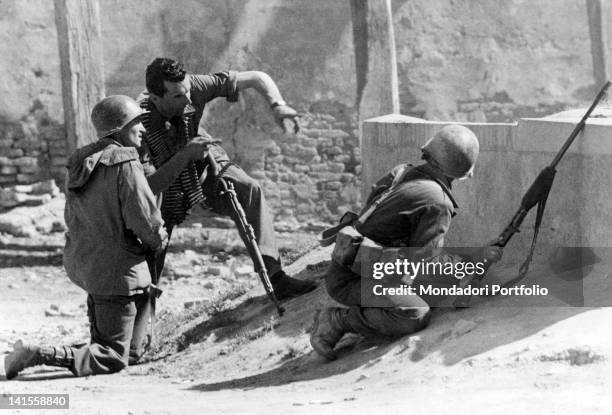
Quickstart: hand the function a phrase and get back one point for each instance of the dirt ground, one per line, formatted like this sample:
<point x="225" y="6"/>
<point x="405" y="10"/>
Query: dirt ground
<point x="221" y="348"/>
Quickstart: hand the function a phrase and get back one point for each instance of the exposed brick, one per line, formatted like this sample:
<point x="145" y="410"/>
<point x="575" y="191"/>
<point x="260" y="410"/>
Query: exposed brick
<point x="14" y="152"/>
<point x="59" y="161"/>
<point x="342" y="158"/>
<point x="329" y="195"/>
<point x="26" y="178"/>
<point x="333" y="151"/>
<point x="307" y="153"/>
<point x="5" y="161"/>
<point x="336" y="167"/>
<point x="25" y="161"/>
<point x="8" y="179"/>
<point x="333" y="134"/>
<point x="333" y="185"/>
<point x="326" y="176"/>
<point x="301" y="168"/>
<point x="320" y="167"/>
<point x="308" y="141"/>
<point x="4" y="170"/>
<point x="325" y="142"/>
<point x="29" y="169"/>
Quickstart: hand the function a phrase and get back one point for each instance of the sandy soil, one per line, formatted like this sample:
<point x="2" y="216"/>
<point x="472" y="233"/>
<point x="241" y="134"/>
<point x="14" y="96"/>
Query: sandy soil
<point x="232" y="354"/>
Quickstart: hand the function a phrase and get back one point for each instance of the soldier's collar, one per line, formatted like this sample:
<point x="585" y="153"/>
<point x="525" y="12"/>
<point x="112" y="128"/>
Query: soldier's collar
<point x="444" y="181"/>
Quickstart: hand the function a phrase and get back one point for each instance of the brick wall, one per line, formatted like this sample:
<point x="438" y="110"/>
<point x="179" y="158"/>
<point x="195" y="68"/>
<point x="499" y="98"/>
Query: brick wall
<point x="32" y="149"/>
<point x="316" y="174"/>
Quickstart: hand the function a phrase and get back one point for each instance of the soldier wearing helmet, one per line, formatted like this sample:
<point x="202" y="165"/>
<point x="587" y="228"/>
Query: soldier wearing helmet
<point x="112" y="220"/>
<point x="412" y="206"/>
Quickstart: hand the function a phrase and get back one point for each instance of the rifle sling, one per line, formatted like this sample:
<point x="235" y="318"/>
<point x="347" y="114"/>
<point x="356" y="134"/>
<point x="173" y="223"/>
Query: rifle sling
<point x="536" y="229"/>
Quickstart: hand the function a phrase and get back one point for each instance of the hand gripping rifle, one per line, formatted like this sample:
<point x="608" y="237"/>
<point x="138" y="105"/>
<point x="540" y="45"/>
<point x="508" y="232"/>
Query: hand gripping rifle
<point x="225" y="188"/>
<point x="536" y="195"/>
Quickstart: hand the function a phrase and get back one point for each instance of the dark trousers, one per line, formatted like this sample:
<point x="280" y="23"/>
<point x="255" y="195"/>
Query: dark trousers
<point x="256" y="209"/>
<point x="398" y="319"/>
<point x="118" y="327"/>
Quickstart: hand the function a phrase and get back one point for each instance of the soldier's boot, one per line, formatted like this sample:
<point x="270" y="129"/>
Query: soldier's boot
<point x="286" y="287"/>
<point x="29" y="355"/>
<point x="329" y="327"/>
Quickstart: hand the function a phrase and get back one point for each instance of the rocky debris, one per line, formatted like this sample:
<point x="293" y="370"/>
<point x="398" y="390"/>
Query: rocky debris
<point x="577" y="356"/>
<point x="244" y="271"/>
<point x="218" y="270"/>
<point x="56" y="311"/>
<point x="28" y="194"/>
<point x="287" y="225"/>
<point x="196" y="303"/>
<point x="30" y="221"/>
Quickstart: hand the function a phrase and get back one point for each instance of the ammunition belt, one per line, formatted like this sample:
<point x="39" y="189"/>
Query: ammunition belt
<point x="186" y="191"/>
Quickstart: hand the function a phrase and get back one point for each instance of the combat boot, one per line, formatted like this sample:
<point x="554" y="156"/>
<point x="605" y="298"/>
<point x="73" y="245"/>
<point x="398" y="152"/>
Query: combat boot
<point x="287" y="287"/>
<point x="29" y="355"/>
<point x="328" y="329"/>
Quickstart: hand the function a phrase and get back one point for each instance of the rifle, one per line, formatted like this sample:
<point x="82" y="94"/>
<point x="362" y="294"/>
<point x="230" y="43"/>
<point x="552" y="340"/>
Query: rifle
<point x="155" y="262"/>
<point x="537" y="194"/>
<point x="225" y="188"/>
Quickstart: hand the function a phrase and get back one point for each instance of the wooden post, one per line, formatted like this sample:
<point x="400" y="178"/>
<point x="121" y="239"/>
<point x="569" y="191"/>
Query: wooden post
<point x="80" y="49"/>
<point x="597" y="29"/>
<point x="380" y="93"/>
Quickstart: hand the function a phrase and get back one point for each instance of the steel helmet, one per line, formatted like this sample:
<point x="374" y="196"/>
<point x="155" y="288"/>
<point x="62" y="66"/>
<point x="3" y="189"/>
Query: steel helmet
<point x="453" y="150"/>
<point x="113" y="113"/>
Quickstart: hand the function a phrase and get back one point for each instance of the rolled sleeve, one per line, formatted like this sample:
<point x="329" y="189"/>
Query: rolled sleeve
<point x="205" y="88"/>
<point x="138" y="206"/>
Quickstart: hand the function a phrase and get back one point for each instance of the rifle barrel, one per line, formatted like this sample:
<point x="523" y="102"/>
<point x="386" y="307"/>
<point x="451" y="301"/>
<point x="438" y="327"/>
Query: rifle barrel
<point x="579" y="126"/>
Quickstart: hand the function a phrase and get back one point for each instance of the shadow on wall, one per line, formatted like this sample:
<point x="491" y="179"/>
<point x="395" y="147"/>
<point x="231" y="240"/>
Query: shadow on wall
<point x="293" y="48"/>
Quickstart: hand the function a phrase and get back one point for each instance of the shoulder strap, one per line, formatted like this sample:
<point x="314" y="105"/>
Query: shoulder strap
<point x="399" y="178"/>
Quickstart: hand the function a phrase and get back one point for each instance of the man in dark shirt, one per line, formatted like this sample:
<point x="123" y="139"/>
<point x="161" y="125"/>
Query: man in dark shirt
<point x="413" y="207"/>
<point x="171" y="93"/>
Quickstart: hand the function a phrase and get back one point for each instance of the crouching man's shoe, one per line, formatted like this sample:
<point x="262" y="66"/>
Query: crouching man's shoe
<point x="29" y="355"/>
<point x="327" y="331"/>
<point x="286" y="287"/>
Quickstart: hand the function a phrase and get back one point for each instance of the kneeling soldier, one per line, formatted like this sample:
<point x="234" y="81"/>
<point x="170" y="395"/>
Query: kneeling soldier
<point x="112" y="221"/>
<point x="410" y="206"/>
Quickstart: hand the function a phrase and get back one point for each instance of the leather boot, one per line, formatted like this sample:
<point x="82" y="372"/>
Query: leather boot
<point x="328" y="329"/>
<point x="29" y="355"/>
<point x="287" y="287"/>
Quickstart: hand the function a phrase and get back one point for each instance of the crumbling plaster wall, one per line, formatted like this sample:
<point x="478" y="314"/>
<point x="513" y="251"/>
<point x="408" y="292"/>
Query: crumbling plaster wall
<point x="467" y="61"/>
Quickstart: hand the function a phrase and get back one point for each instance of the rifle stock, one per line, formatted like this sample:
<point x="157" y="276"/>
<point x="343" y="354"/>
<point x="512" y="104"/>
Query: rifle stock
<point x="537" y="194"/>
<point x="245" y="230"/>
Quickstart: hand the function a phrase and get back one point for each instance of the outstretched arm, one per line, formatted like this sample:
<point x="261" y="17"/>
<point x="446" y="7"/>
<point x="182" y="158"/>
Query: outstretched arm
<point x="265" y="85"/>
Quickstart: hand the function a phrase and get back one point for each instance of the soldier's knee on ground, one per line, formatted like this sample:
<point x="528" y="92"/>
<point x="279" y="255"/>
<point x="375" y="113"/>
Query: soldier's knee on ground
<point x="415" y="318"/>
<point x="400" y="321"/>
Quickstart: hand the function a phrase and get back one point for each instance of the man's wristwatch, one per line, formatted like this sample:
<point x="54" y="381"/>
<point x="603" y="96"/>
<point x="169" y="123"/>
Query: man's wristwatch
<point x="277" y="104"/>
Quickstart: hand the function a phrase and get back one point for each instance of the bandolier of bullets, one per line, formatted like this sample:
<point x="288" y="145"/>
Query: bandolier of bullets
<point x="185" y="192"/>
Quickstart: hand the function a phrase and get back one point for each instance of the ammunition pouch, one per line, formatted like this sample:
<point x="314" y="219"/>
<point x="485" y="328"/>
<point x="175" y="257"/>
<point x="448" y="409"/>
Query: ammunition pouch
<point x="348" y="240"/>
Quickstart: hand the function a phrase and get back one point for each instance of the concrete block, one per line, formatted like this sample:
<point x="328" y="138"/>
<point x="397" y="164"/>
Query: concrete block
<point x="511" y="157"/>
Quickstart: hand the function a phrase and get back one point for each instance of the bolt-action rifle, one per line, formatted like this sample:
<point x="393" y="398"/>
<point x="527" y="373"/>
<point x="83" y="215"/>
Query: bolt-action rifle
<point x="225" y="188"/>
<point x="537" y="194"/>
